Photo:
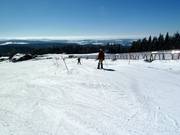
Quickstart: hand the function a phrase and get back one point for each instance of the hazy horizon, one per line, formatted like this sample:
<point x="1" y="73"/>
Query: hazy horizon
<point x="95" y="37"/>
<point x="74" y="37"/>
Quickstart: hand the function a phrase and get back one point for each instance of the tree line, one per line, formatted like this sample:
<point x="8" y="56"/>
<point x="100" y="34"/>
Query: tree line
<point x="10" y="50"/>
<point x="162" y="42"/>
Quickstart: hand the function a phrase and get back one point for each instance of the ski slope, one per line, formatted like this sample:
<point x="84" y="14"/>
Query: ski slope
<point x="40" y="97"/>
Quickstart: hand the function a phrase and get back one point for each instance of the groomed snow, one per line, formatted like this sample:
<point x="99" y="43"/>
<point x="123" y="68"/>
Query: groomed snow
<point x="42" y="98"/>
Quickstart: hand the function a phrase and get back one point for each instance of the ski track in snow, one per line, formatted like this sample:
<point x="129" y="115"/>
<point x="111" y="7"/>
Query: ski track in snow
<point x="42" y="98"/>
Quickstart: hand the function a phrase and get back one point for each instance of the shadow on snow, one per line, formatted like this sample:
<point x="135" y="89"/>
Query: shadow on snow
<point x="108" y="69"/>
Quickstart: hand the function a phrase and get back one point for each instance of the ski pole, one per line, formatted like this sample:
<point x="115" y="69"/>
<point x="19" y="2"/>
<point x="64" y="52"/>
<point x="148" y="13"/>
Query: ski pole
<point x="65" y="64"/>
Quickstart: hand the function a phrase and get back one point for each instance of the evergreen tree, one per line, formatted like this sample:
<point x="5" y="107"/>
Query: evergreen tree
<point x="161" y="42"/>
<point x="167" y="43"/>
<point x="176" y="41"/>
<point x="154" y="44"/>
<point x="149" y="47"/>
<point x="144" y="44"/>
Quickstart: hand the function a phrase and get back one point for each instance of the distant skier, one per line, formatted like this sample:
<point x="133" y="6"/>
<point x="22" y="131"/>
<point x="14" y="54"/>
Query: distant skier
<point x="79" y="60"/>
<point x="101" y="57"/>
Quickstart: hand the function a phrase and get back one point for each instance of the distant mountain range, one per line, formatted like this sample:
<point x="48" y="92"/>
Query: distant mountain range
<point x="47" y="43"/>
<point x="11" y="47"/>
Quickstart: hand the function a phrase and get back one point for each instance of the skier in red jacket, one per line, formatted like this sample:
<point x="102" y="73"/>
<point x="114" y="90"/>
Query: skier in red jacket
<point x="101" y="57"/>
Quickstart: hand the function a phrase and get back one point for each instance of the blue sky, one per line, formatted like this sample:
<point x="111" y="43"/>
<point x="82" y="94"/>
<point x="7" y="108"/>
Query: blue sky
<point x="88" y="18"/>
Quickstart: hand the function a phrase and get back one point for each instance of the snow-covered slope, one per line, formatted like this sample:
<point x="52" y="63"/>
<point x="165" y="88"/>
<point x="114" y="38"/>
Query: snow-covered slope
<point x="42" y="98"/>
